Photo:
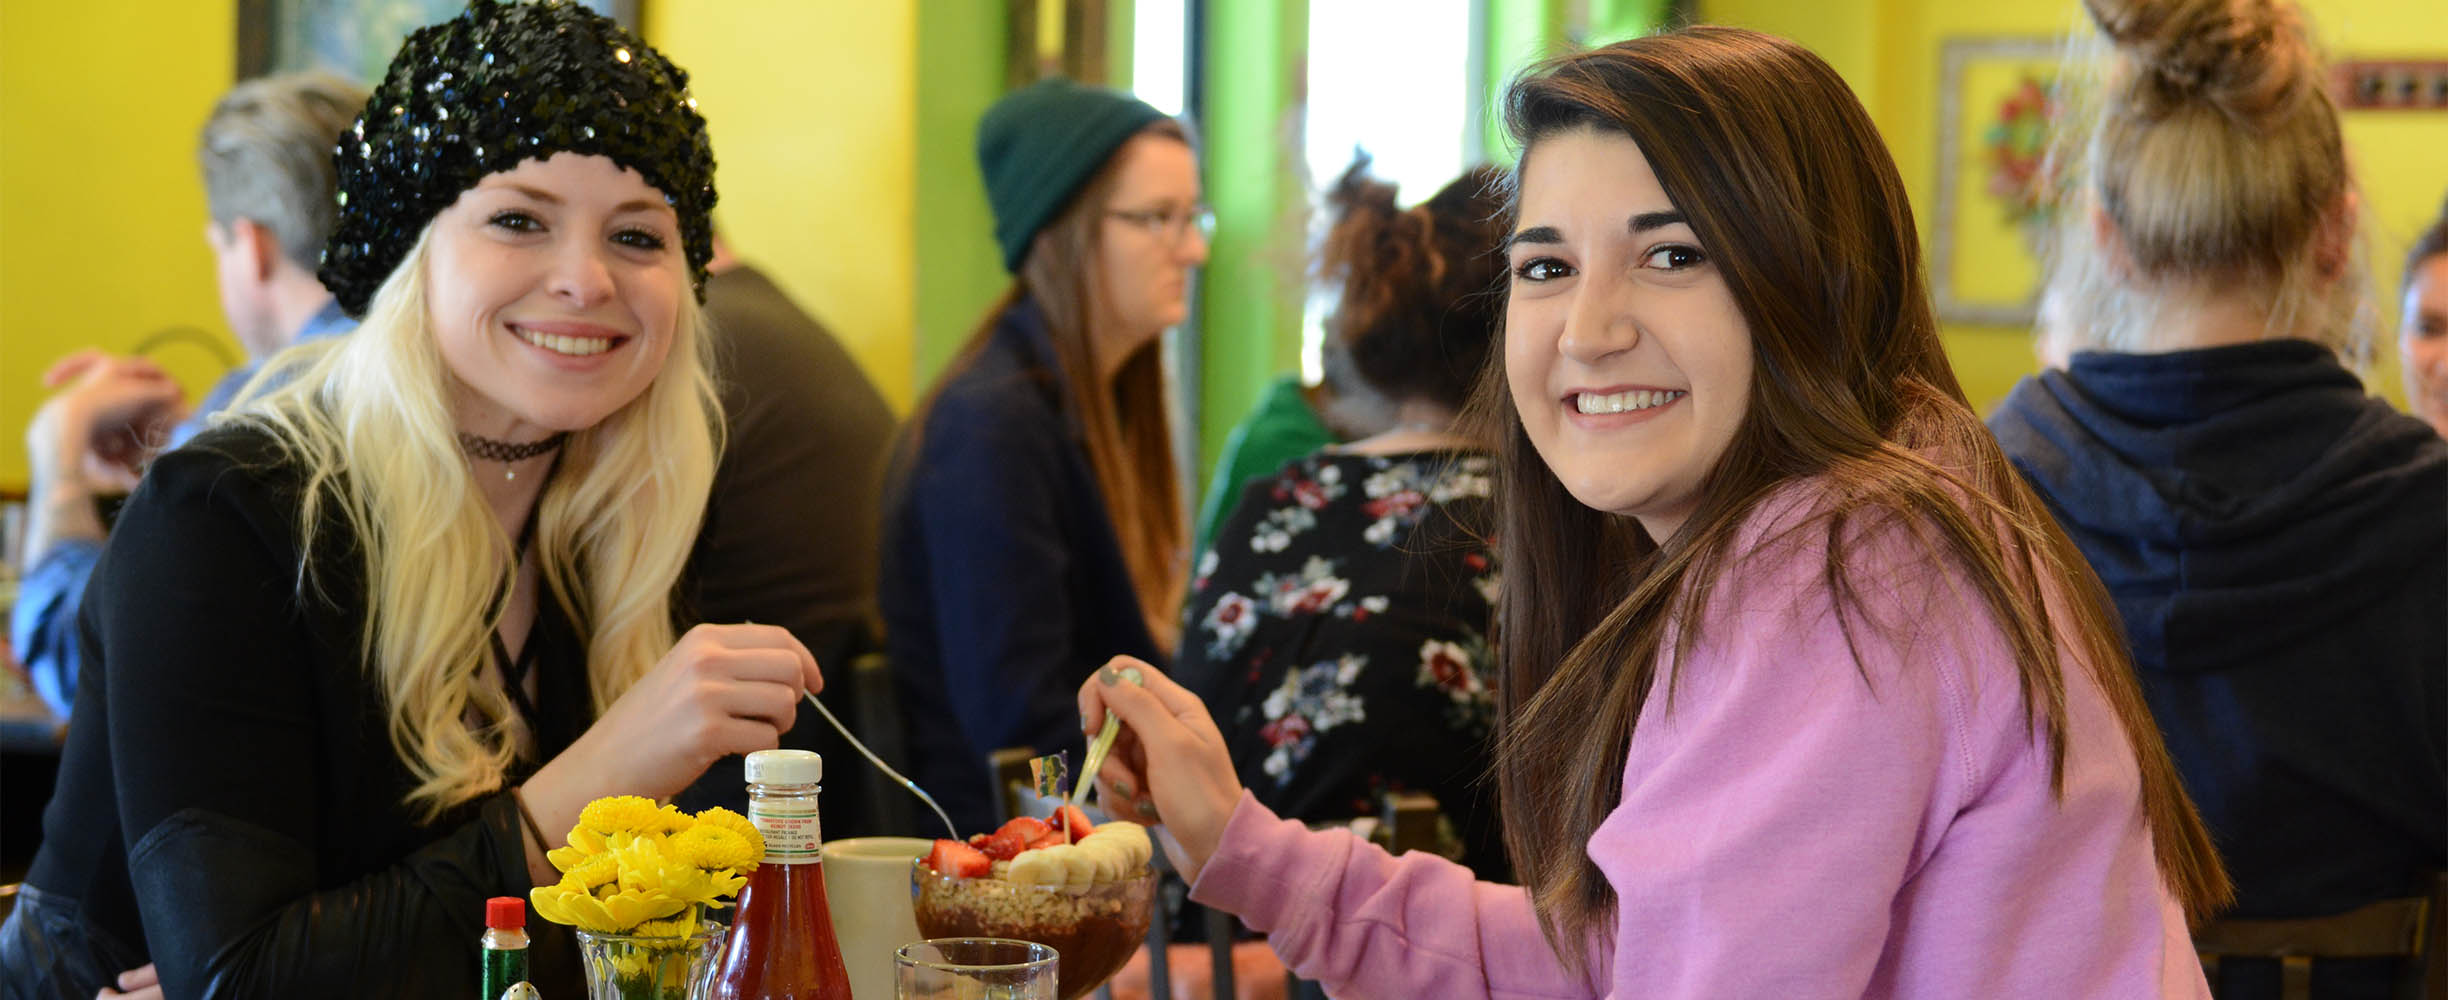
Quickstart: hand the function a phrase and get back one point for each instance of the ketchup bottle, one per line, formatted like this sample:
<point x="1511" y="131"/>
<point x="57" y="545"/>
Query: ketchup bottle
<point x="781" y="943"/>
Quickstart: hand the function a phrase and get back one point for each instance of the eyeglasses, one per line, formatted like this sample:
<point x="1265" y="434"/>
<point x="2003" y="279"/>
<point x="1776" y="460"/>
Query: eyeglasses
<point x="1170" y="224"/>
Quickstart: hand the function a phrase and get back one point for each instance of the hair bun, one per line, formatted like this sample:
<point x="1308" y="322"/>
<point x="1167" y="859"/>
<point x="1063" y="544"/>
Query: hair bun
<point x="2247" y="57"/>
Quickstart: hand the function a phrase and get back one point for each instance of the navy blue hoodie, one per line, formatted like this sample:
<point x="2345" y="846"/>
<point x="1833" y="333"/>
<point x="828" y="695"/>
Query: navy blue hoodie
<point x="2276" y="542"/>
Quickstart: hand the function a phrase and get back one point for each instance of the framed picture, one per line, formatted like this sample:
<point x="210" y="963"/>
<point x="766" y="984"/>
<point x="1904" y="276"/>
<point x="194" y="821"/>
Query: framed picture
<point x="1994" y="99"/>
<point x="354" y="38"/>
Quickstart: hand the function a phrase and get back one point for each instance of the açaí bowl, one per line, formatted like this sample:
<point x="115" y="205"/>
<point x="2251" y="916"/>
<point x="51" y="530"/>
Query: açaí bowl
<point x="1092" y="929"/>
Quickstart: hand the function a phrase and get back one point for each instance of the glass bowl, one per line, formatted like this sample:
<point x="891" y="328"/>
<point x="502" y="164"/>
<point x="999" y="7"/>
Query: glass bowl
<point x="1093" y="929"/>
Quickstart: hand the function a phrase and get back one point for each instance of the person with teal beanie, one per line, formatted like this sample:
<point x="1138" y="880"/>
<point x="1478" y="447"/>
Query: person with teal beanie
<point x="1032" y="520"/>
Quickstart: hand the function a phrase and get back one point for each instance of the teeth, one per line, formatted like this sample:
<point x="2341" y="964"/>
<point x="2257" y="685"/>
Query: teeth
<point x="558" y="344"/>
<point x="1637" y="399"/>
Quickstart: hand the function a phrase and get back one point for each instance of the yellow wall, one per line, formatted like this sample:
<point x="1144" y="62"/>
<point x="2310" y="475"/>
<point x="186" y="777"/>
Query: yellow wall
<point x="813" y="110"/>
<point x="101" y="214"/>
<point x="1889" y="51"/>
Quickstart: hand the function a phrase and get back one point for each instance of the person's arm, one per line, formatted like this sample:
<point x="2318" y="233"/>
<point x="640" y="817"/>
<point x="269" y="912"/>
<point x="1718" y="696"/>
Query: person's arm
<point x="1338" y="910"/>
<point x="92" y="436"/>
<point x="1343" y="912"/>
<point x="216" y="737"/>
<point x="991" y="512"/>
<point x="42" y="624"/>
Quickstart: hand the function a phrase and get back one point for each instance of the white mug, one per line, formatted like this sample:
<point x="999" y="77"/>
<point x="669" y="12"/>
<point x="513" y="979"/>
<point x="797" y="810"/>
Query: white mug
<point x="867" y="887"/>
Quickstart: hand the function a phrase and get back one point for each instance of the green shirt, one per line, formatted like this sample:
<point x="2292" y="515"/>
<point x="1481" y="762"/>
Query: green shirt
<point x="1280" y="429"/>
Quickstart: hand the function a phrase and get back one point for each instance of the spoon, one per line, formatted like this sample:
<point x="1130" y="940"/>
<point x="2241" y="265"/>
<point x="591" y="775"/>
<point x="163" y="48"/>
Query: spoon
<point x="1104" y="742"/>
<point x="949" y="829"/>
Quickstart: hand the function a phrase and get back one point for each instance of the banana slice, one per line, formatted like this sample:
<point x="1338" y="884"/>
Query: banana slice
<point x="1041" y="866"/>
<point x="1130" y="838"/>
<point x="1079" y="867"/>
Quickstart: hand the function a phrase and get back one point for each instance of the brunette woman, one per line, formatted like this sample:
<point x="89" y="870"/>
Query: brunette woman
<point x="1801" y="693"/>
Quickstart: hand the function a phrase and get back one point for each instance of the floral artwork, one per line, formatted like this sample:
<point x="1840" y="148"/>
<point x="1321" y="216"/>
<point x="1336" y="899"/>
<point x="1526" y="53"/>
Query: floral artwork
<point x="2017" y="142"/>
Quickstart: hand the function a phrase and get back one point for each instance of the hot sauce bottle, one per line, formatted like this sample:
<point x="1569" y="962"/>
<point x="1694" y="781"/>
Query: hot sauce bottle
<point x="781" y="944"/>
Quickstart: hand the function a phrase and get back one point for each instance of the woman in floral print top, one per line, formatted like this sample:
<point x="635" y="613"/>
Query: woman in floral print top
<point x="1339" y="622"/>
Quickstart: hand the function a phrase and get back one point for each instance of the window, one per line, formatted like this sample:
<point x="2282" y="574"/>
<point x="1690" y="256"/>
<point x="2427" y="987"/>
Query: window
<point x="1393" y="77"/>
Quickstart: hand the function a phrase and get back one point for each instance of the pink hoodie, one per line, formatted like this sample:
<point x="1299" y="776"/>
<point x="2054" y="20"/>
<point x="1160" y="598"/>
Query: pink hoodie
<point x="1787" y="830"/>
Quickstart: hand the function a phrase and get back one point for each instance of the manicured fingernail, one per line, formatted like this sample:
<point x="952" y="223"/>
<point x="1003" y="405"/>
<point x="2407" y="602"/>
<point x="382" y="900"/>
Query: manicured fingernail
<point x="1109" y="675"/>
<point x="1122" y="787"/>
<point x="1145" y="805"/>
<point x="1135" y="677"/>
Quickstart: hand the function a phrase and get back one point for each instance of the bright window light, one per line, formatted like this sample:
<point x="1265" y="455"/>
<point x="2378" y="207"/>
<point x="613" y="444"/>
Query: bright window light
<point x="1160" y="47"/>
<point x="1391" y="77"/>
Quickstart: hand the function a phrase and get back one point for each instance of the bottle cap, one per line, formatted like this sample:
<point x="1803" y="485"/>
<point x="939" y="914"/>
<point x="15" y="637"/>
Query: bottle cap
<point x="503" y="913"/>
<point x="785" y="767"/>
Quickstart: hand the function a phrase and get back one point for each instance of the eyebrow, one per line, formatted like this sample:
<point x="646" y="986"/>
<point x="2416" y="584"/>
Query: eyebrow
<point x="1644" y="222"/>
<point x="1647" y="221"/>
<point x="1534" y="234"/>
<point x="624" y="208"/>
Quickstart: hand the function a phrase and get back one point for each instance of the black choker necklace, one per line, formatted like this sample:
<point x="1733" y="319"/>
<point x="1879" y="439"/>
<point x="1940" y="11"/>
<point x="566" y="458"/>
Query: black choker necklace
<point x="506" y="451"/>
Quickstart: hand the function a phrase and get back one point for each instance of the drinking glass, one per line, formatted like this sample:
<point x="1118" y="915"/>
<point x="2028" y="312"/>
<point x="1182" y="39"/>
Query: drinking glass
<point x="974" y="969"/>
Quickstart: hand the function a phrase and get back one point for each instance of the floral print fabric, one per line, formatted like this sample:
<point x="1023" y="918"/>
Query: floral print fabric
<point x="1337" y="629"/>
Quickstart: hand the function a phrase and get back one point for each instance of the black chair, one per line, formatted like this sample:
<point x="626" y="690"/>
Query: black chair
<point x="2410" y="930"/>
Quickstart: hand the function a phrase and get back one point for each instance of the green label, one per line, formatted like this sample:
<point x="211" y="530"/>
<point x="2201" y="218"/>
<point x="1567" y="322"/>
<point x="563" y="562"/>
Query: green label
<point x="503" y="968"/>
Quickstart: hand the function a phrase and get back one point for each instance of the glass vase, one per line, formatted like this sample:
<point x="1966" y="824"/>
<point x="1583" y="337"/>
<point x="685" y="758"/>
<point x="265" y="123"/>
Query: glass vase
<point x="631" y="967"/>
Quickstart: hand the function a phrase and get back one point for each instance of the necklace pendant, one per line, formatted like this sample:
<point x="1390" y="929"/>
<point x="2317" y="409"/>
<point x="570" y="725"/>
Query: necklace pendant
<point x="509" y="473"/>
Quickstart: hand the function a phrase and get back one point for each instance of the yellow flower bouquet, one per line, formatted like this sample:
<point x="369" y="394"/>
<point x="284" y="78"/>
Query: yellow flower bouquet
<point x="636" y="879"/>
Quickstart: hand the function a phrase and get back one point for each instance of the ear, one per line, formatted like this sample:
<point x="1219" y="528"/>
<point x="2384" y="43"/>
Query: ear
<point x="258" y="249"/>
<point x="2333" y="242"/>
<point x="2111" y="243"/>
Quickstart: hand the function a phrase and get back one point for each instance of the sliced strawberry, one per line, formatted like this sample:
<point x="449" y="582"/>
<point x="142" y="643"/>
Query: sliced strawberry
<point x="1052" y="838"/>
<point x="1072" y="822"/>
<point x="1028" y="829"/>
<point x="958" y="860"/>
<point x="1002" y="846"/>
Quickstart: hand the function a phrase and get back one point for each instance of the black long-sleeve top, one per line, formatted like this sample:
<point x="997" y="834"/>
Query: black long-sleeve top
<point x="229" y="804"/>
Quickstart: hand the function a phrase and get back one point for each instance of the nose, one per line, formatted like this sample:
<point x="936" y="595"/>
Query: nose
<point x="1599" y="321"/>
<point x="1192" y="248"/>
<point x="579" y="275"/>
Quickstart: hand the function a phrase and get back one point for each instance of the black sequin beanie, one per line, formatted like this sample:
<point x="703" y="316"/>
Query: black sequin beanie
<point x="500" y="84"/>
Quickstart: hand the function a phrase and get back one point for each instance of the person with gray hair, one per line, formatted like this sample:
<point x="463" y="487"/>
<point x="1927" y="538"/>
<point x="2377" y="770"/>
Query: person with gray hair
<point x="266" y="158"/>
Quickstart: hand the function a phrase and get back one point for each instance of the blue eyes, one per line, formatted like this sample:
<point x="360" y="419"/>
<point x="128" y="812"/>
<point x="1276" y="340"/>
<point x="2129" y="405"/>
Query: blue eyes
<point x="635" y="238"/>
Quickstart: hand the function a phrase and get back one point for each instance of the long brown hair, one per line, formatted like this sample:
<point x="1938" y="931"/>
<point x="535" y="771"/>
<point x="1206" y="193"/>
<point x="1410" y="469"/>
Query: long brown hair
<point x="1784" y="180"/>
<point x="1128" y="424"/>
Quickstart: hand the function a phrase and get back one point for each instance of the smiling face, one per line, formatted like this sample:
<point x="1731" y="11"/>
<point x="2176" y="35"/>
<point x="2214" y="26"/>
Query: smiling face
<point x="554" y="292"/>
<point x="1628" y="360"/>
<point x="1149" y="242"/>
<point x="2423" y="341"/>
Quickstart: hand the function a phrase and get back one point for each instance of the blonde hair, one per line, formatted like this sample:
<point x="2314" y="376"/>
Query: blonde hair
<point x="369" y="417"/>
<point x="2209" y="139"/>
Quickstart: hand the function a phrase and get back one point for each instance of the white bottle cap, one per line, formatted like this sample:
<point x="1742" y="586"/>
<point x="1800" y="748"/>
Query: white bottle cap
<point x="785" y="767"/>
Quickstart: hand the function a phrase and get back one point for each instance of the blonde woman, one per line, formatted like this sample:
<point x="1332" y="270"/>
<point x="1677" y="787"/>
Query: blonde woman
<point x="1033" y="527"/>
<point x="361" y="648"/>
<point x="2275" y="537"/>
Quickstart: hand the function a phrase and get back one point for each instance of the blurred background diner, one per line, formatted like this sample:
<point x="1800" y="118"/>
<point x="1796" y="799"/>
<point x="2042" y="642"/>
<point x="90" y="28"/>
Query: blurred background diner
<point x="861" y="248"/>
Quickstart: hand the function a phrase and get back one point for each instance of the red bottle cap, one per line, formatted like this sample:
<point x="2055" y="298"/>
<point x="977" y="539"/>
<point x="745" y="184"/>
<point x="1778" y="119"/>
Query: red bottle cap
<point x="504" y="913"/>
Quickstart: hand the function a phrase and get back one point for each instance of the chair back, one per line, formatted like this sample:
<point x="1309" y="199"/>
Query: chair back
<point x="2409" y="930"/>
